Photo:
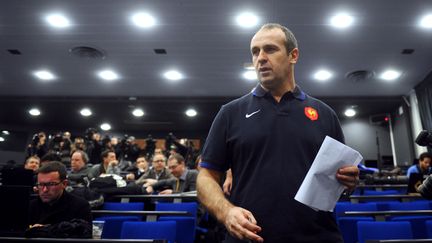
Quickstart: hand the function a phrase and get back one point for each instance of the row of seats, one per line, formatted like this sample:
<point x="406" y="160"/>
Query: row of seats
<point x="352" y="232"/>
<point x="132" y="227"/>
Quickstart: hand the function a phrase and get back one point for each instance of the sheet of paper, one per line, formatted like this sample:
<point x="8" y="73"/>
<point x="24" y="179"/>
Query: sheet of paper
<point x="320" y="189"/>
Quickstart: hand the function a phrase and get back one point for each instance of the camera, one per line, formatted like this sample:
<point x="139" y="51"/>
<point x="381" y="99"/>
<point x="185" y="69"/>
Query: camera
<point x="424" y="138"/>
<point x="35" y="139"/>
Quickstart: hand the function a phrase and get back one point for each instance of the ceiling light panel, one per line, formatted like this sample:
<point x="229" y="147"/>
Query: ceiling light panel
<point x="247" y="20"/>
<point x="57" y="20"/>
<point x="34" y="112"/>
<point x="138" y="112"/>
<point x="44" y="75"/>
<point x="86" y="112"/>
<point x="105" y="126"/>
<point x="143" y="20"/>
<point x="322" y="75"/>
<point x="191" y="112"/>
<point x="342" y="21"/>
<point x="173" y="75"/>
<point x="390" y="75"/>
<point x="426" y="21"/>
<point x="350" y="112"/>
<point x="250" y="75"/>
<point x="108" y="75"/>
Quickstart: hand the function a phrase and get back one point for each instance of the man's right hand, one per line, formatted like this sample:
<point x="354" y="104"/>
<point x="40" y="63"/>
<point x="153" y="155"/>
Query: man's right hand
<point x="242" y="224"/>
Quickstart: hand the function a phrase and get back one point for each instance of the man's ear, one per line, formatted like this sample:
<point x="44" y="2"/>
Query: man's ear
<point x="294" y="55"/>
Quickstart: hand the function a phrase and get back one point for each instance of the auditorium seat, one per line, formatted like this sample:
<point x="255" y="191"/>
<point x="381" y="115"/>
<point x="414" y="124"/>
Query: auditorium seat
<point x="113" y="225"/>
<point x="348" y="224"/>
<point x="115" y="206"/>
<point x="383" y="230"/>
<point x="164" y="230"/>
<point x="186" y="225"/>
<point x="418" y="224"/>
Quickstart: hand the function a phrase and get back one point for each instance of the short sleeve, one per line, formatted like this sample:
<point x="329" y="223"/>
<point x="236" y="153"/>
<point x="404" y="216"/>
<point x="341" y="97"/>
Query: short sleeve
<point x="214" y="155"/>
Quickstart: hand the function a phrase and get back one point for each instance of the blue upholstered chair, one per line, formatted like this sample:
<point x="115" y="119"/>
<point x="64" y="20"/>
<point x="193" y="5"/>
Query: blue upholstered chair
<point x="163" y="230"/>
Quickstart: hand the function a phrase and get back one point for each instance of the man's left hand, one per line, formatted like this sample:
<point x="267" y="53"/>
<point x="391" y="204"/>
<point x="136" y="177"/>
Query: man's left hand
<point x="348" y="176"/>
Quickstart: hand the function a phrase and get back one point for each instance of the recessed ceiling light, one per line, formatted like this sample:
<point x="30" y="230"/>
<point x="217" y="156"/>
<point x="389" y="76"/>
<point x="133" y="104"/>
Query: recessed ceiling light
<point x="173" y="75"/>
<point x="108" y="75"/>
<point x="86" y="112"/>
<point x="44" y="75"/>
<point x="350" y="112"/>
<point x="250" y="75"/>
<point x="58" y="20"/>
<point x="2" y="139"/>
<point x="5" y="132"/>
<point x="191" y="112"/>
<point x="322" y="75"/>
<point x="143" y="20"/>
<point x="138" y="112"/>
<point x="390" y="75"/>
<point x="105" y="126"/>
<point x="341" y="21"/>
<point x="34" y="112"/>
<point x="247" y="20"/>
<point x="426" y="21"/>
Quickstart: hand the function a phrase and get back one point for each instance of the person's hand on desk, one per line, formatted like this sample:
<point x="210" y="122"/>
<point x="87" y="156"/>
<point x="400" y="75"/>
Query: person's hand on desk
<point x="241" y="224"/>
<point x="348" y="176"/>
<point x="166" y="192"/>
<point x="149" y="182"/>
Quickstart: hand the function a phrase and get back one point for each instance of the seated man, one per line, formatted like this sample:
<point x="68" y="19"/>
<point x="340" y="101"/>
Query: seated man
<point x="79" y="168"/>
<point x="32" y="163"/>
<point x="140" y="167"/>
<point x="184" y="181"/>
<point x="54" y="204"/>
<point x="157" y="172"/>
<point x="423" y="167"/>
<point x="109" y="165"/>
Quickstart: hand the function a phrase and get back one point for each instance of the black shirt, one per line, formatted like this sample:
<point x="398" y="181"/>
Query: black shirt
<point x="66" y="208"/>
<point x="270" y="147"/>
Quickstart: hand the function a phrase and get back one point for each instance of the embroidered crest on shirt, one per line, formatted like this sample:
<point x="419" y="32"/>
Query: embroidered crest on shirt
<point x="311" y="113"/>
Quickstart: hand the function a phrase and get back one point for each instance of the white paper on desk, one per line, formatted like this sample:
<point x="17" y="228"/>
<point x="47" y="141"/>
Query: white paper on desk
<point x="320" y="189"/>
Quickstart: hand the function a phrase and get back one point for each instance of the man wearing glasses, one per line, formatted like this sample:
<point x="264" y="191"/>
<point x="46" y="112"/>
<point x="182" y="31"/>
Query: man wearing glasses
<point x="184" y="181"/>
<point x="54" y="204"/>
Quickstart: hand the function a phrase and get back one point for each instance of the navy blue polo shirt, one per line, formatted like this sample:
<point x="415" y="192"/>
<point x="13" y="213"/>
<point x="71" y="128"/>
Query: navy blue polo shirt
<point x="270" y="147"/>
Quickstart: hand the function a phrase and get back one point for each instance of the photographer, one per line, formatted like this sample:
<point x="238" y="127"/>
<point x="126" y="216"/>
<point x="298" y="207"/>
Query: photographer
<point x="129" y="151"/>
<point x="38" y="145"/>
<point x="423" y="167"/>
<point x="93" y="145"/>
<point x="425" y="139"/>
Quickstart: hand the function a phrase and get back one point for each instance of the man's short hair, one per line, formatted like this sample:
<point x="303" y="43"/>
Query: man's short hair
<point x="425" y="155"/>
<point x="290" y="40"/>
<point x="83" y="154"/>
<point x="105" y="153"/>
<point x="54" y="166"/>
<point x="32" y="157"/>
<point x="50" y="156"/>
<point x="178" y="157"/>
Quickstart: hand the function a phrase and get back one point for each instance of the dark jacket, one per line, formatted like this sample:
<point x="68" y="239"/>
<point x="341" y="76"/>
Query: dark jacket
<point x="186" y="182"/>
<point x="66" y="208"/>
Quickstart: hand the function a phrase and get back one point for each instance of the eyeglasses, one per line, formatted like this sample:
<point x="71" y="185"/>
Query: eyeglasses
<point x="159" y="160"/>
<point x="48" y="184"/>
<point x="172" y="167"/>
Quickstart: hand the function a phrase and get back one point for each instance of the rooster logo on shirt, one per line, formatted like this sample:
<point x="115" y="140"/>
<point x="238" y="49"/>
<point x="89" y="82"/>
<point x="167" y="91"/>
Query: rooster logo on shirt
<point x="311" y="113"/>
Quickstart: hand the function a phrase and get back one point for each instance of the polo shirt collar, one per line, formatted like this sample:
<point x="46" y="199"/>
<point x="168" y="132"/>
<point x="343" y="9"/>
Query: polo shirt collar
<point x="297" y="92"/>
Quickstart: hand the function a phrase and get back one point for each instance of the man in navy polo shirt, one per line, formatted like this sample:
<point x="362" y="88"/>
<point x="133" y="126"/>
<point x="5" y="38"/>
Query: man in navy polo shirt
<point x="269" y="138"/>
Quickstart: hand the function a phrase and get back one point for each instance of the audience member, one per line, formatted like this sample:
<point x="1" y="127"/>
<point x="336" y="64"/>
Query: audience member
<point x="423" y="167"/>
<point x="140" y="167"/>
<point x="32" y="163"/>
<point x="79" y="168"/>
<point x="109" y="165"/>
<point x="184" y="181"/>
<point x="54" y="204"/>
<point x="157" y="172"/>
<point x="38" y="146"/>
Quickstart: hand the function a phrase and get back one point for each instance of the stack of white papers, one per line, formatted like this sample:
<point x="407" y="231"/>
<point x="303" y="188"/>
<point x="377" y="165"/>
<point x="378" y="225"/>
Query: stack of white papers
<point x="320" y="189"/>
